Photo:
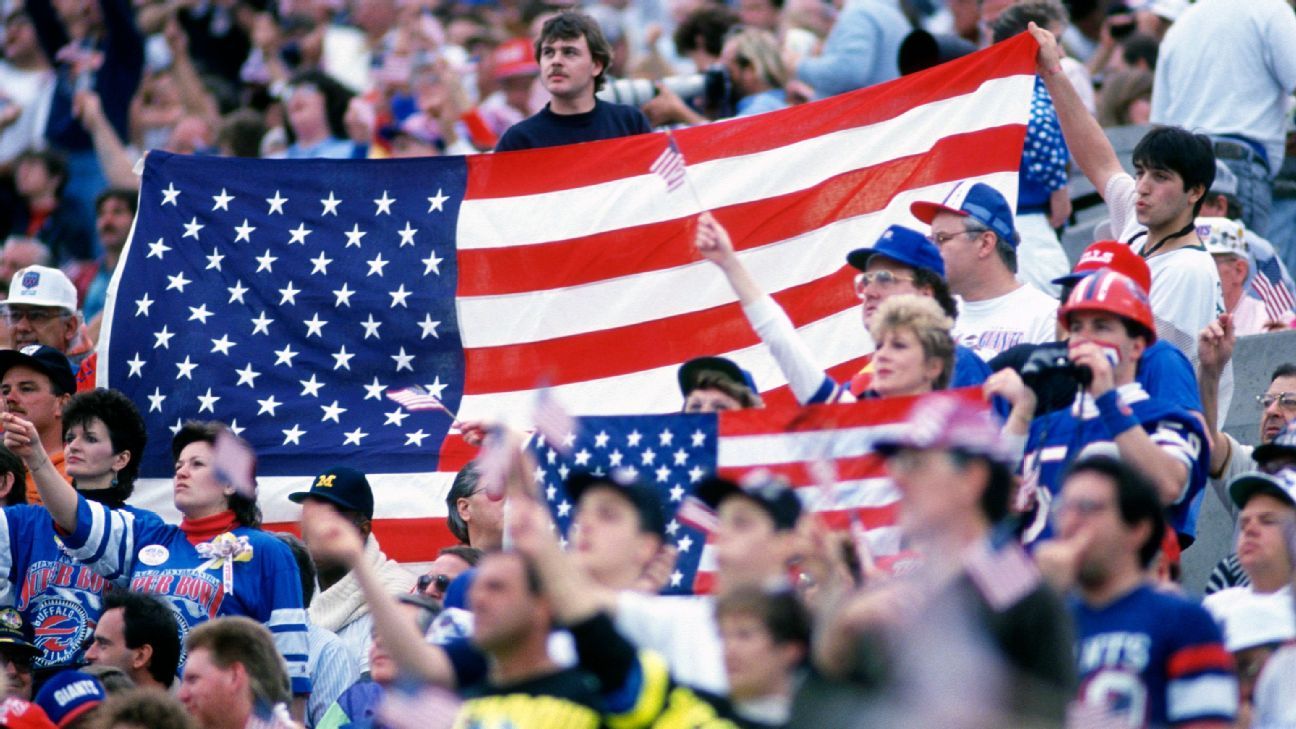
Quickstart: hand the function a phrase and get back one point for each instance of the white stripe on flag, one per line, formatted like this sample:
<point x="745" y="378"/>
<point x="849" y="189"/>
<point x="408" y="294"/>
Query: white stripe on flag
<point x="652" y="295"/>
<point x="625" y="203"/>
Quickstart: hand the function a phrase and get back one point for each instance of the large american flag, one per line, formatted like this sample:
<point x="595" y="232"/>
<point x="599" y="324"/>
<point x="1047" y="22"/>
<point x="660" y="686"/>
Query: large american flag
<point x="674" y="452"/>
<point x="288" y="297"/>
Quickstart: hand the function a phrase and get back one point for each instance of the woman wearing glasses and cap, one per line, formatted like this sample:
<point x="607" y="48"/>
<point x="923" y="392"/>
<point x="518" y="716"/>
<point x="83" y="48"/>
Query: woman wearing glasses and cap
<point x="902" y="261"/>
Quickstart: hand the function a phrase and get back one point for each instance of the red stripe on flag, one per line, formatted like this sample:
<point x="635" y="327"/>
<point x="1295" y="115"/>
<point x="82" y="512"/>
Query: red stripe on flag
<point x="1198" y="659"/>
<point x="455" y="453"/>
<point x="659" y="343"/>
<point x="824" y="417"/>
<point x="540" y="170"/>
<point x="515" y="269"/>
<point x="870" y="518"/>
<point x="404" y="540"/>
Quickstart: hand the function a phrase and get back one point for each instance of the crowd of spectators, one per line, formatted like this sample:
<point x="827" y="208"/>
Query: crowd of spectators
<point x="1044" y="529"/>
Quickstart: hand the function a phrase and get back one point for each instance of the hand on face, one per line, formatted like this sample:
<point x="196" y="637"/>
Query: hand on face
<point x="1059" y="559"/>
<point x="1094" y="356"/>
<point x="334" y="539"/>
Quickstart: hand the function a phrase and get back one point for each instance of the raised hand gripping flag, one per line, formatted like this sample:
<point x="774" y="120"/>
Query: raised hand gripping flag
<point x="288" y="297"/>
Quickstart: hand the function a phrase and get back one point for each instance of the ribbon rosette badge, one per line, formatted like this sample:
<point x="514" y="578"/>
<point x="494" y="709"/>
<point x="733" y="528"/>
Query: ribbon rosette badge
<point x="221" y="553"/>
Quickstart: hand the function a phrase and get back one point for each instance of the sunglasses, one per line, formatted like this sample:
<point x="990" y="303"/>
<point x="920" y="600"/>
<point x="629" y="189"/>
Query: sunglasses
<point x="882" y="278"/>
<point x="441" y="581"/>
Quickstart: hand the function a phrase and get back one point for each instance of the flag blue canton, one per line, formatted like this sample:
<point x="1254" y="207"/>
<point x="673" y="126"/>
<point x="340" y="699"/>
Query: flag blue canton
<point x="286" y="299"/>
<point x="670" y="452"/>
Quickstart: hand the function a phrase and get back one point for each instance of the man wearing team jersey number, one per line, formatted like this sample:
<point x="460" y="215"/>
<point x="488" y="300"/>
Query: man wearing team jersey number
<point x="1146" y="657"/>
<point x="1111" y="326"/>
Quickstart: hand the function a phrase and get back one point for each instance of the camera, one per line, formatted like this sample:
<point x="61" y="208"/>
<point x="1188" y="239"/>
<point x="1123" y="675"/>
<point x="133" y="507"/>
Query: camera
<point x="1049" y="367"/>
<point x="711" y="88"/>
<point x="1121" y="19"/>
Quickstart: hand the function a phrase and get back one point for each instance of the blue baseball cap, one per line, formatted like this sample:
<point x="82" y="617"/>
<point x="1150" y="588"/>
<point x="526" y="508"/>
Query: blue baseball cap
<point x="68" y="695"/>
<point x="902" y="245"/>
<point x="978" y="201"/>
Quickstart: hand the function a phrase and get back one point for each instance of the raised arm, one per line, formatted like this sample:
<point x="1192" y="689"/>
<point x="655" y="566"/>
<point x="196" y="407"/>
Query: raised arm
<point x="1085" y="139"/>
<point x="805" y="376"/>
<point x="113" y="159"/>
<point x="1136" y="446"/>
<point x="1214" y="350"/>
<point x="574" y="596"/>
<point x="59" y="497"/>
<point x="715" y="245"/>
<point x="341" y="541"/>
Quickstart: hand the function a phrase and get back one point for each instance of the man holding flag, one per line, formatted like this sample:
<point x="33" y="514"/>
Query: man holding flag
<point x="574" y="58"/>
<point x="291" y="301"/>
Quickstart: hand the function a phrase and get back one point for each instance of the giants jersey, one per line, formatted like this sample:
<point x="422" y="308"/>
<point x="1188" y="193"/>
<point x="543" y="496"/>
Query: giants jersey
<point x="135" y="549"/>
<point x="1152" y="659"/>
<point x="1059" y="438"/>
<point x="59" y="598"/>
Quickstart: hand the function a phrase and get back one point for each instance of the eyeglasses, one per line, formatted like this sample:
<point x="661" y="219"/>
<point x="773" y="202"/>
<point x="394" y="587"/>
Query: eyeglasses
<point x="1083" y="507"/>
<point x="441" y="582"/>
<point x="1285" y="400"/>
<point x="941" y="239"/>
<point x="881" y="278"/>
<point x="35" y="316"/>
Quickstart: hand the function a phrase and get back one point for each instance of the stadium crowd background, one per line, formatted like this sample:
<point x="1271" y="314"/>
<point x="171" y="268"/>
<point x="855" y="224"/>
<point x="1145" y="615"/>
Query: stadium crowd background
<point x="1086" y="627"/>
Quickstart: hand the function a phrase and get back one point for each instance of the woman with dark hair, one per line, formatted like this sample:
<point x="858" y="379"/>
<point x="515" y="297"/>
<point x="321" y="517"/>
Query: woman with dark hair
<point x="315" y="106"/>
<point x="103" y="437"/>
<point x="216" y="562"/>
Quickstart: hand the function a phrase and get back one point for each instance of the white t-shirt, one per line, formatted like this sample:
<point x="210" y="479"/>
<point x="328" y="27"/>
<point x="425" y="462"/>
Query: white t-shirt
<point x="1275" y="701"/>
<point x="1186" y="292"/>
<point x="1249" y="316"/>
<point x="682" y="630"/>
<point x="1241" y="459"/>
<point x="1025" y="315"/>
<point x="31" y="91"/>
<point x="1238" y="83"/>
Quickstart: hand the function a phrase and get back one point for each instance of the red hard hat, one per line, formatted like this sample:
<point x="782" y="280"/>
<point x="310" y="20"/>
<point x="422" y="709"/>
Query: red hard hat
<point x="1107" y="291"/>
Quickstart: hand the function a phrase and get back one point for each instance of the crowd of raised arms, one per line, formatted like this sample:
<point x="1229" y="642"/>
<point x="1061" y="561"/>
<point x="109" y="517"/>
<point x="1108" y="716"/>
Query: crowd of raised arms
<point x="1066" y="388"/>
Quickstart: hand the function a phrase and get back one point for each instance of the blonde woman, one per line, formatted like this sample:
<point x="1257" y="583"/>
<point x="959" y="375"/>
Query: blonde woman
<point x="915" y="352"/>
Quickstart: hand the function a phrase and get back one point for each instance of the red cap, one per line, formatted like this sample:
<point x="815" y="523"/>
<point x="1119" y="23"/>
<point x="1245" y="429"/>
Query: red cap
<point x="1114" y="255"/>
<point x="18" y="714"/>
<point x="514" y="57"/>
<point x="1113" y="293"/>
